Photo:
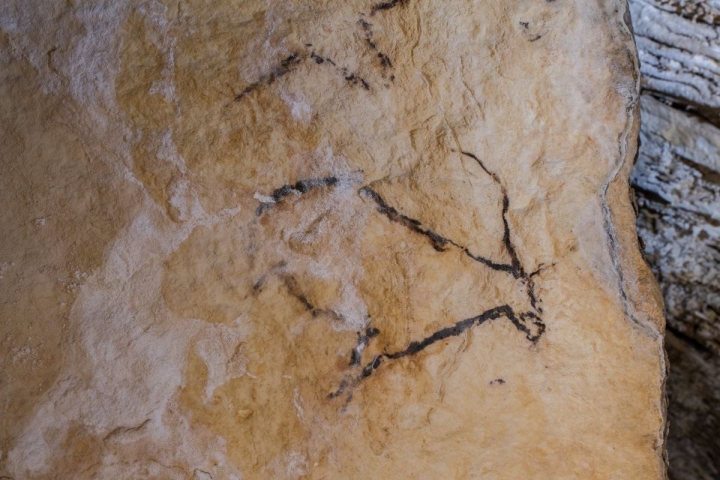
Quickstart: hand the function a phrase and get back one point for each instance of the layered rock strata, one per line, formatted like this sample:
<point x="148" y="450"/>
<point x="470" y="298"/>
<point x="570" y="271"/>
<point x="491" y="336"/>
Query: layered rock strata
<point x="677" y="184"/>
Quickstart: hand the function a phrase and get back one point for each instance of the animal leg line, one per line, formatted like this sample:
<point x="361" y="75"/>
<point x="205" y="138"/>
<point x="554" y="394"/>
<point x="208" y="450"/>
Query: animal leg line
<point x="415" y="347"/>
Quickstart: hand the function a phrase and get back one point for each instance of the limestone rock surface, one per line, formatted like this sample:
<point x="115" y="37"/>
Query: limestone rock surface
<point x="324" y="240"/>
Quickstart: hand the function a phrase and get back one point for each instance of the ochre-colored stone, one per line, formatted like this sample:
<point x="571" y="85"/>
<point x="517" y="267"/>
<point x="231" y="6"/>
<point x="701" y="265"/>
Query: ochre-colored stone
<point x="324" y="240"/>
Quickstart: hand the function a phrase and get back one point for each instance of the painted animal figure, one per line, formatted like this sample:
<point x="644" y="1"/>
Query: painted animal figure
<point x="526" y="317"/>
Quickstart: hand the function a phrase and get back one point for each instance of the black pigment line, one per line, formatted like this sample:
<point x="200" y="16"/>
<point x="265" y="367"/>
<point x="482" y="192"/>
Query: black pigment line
<point x="439" y="242"/>
<point x="363" y="342"/>
<point x="415" y="347"/>
<point x="463" y="325"/>
<point x="541" y="268"/>
<point x="299" y="188"/>
<point x="386" y="5"/>
<point x="290" y="63"/>
<point x="531" y="284"/>
<point x="495" y="266"/>
<point x="320" y="60"/>
<point x="531" y="293"/>
<point x="528" y="322"/>
<point x="341" y="389"/>
<point x="384" y="60"/>
<point x="517" y="266"/>
<point x="353" y="78"/>
<point x="260" y="282"/>
<point x="493" y="175"/>
<point x="294" y="289"/>
<point x="518" y="271"/>
<point x="367" y="28"/>
<point x="284" y="67"/>
<point x="303" y="186"/>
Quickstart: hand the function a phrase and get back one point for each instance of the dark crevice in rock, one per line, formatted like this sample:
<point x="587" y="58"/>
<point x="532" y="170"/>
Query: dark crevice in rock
<point x="694" y="413"/>
<point x="708" y="174"/>
<point x="650" y="195"/>
<point x="678" y="198"/>
<point x="688" y="106"/>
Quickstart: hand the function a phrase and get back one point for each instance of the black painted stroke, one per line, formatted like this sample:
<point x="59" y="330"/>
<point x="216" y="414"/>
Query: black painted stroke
<point x="529" y="322"/>
<point x="290" y="64"/>
<point x="523" y="322"/>
<point x="386" y="5"/>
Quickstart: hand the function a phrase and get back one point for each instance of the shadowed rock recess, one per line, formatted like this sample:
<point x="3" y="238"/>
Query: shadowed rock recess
<point x="677" y="186"/>
<point x="318" y="239"/>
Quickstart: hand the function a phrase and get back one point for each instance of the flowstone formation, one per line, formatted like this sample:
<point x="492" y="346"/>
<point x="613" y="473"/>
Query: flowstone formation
<point x="319" y="240"/>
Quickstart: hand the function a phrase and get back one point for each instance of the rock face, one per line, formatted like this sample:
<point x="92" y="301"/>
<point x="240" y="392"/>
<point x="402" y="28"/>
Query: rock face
<point x="677" y="182"/>
<point x="324" y="240"/>
<point x="678" y="48"/>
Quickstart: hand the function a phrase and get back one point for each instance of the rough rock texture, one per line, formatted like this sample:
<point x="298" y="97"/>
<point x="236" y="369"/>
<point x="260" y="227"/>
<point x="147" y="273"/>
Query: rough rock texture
<point x="678" y="48"/>
<point x="324" y="240"/>
<point x="677" y="183"/>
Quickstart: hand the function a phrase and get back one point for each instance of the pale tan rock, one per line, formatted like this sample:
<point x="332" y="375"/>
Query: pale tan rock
<point x="324" y="240"/>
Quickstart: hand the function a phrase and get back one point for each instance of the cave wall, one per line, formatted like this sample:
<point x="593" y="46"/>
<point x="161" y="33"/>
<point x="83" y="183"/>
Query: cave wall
<point x="317" y="239"/>
<point x="677" y="185"/>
